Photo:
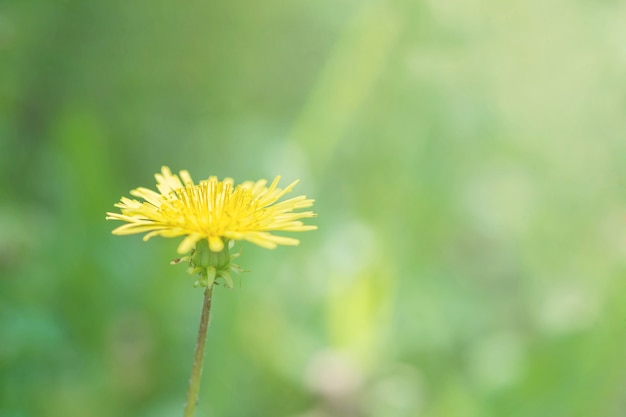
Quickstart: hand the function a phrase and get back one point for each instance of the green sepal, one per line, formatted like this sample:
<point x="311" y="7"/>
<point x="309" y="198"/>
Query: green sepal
<point x="210" y="276"/>
<point x="193" y="270"/>
<point x="180" y="260"/>
<point x="228" y="280"/>
<point x="211" y="265"/>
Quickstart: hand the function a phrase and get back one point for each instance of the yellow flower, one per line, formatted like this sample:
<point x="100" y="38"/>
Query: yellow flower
<point x="213" y="210"/>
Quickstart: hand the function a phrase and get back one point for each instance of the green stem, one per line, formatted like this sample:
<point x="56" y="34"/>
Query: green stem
<point x="196" y="370"/>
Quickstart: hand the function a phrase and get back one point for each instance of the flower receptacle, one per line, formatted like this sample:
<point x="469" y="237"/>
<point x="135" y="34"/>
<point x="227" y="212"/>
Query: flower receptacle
<point x="211" y="265"/>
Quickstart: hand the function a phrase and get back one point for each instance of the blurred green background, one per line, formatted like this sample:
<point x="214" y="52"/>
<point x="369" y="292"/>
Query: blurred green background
<point x="468" y="161"/>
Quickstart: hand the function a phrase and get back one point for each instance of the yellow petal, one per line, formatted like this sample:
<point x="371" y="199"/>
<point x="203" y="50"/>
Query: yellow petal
<point x="188" y="243"/>
<point x="216" y="244"/>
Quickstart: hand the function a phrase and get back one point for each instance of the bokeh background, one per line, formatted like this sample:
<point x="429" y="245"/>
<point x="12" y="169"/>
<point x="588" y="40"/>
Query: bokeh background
<point x="468" y="159"/>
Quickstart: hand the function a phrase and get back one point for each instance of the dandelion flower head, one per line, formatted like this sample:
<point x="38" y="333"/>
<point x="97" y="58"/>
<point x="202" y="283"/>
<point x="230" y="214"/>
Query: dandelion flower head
<point x="213" y="210"/>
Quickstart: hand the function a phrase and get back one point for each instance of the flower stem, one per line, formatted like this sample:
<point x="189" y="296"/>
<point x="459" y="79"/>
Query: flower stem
<point x="198" y="357"/>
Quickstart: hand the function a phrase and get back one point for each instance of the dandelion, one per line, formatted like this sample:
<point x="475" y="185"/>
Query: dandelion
<point x="213" y="210"/>
<point x="211" y="215"/>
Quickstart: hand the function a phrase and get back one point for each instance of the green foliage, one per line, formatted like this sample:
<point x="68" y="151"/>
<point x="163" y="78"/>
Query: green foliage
<point x="467" y="162"/>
